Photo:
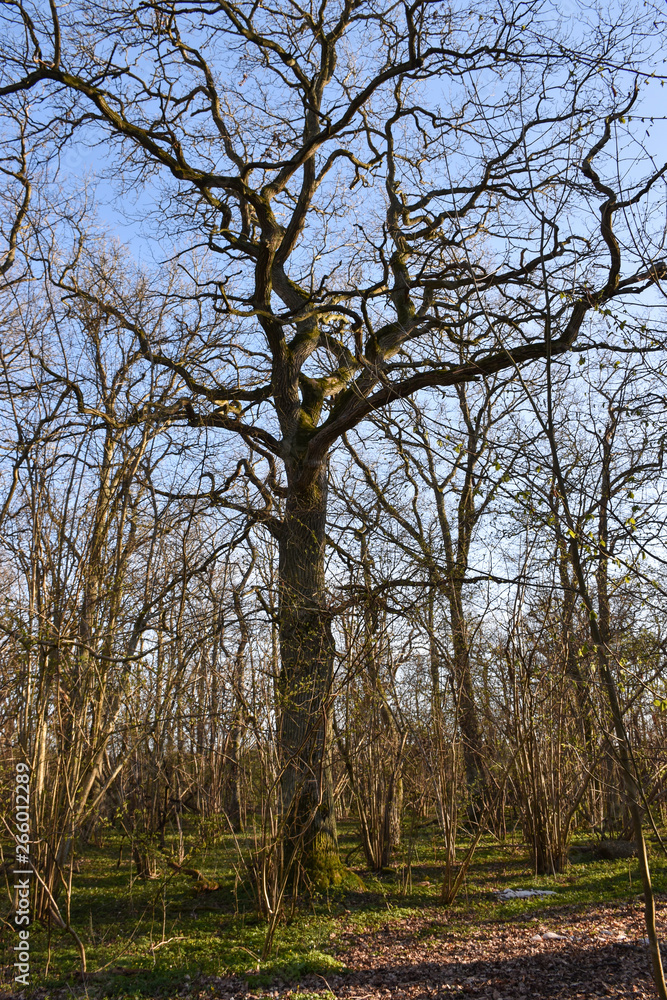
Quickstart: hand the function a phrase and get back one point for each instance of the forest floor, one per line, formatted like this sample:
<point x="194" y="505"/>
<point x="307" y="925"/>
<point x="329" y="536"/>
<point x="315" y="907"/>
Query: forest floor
<point x="380" y="937"/>
<point x="591" y="954"/>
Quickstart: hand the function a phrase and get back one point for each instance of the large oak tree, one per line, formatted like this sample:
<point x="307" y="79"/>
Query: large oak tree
<point x="367" y="199"/>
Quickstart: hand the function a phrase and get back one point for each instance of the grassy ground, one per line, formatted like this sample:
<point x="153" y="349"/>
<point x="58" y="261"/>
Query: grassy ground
<point x="153" y="938"/>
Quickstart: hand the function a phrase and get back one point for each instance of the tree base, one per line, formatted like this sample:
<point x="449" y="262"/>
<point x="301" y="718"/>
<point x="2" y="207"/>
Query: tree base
<point x="322" y="865"/>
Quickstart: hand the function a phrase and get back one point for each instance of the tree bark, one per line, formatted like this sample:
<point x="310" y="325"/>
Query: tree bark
<point x="304" y="689"/>
<point x="233" y="809"/>
<point x="469" y="727"/>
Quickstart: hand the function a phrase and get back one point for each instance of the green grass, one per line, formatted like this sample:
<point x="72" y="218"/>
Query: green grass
<point x="144" y="938"/>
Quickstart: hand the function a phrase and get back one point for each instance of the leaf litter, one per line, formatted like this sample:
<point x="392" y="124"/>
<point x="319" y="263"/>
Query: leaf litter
<point x="561" y="954"/>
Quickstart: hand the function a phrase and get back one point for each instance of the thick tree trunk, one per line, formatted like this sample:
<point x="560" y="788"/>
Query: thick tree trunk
<point x="473" y="746"/>
<point x="234" y="810"/>
<point x="233" y="803"/>
<point x="307" y="656"/>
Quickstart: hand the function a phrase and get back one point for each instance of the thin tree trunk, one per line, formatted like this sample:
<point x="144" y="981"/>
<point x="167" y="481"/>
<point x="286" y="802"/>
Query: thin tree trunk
<point x="599" y="630"/>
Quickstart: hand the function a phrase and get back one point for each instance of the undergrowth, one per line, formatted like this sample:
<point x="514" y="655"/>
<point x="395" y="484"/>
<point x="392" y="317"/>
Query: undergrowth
<point x="154" y="938"/>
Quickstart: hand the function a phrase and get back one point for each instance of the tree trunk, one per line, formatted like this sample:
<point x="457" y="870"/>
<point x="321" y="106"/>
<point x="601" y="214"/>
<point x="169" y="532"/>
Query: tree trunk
<point x="304" y="689"/>
<point x="233" y="804"/>
<point x="469" y="727"/>
<point x="234" y="811"/>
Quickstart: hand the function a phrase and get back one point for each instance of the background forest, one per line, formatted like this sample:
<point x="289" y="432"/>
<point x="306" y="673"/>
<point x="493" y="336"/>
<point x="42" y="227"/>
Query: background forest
<point x="333" y="379"/>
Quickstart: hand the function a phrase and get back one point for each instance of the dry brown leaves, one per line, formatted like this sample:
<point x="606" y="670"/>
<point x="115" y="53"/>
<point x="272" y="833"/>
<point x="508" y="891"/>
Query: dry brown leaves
<point x="595" y="954"/>
<point x="599" y="954"/>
